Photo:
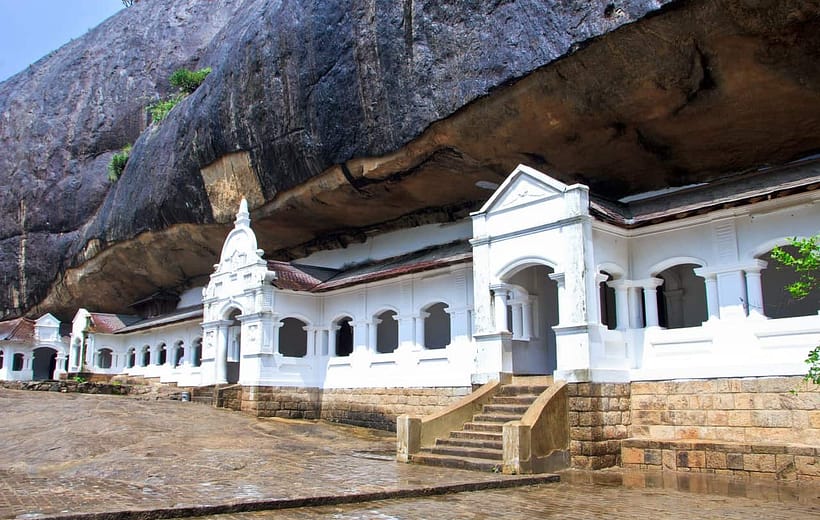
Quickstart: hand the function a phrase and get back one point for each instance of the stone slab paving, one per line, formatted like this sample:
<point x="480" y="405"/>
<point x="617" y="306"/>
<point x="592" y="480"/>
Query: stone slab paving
<point x="565" y="500"/>
<point x="63" y="454"/>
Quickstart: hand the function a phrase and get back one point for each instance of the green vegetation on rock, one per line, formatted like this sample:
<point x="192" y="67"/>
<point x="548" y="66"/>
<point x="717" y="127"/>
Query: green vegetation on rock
<point x="117" y="163"/>
<point x="186" y="81"/>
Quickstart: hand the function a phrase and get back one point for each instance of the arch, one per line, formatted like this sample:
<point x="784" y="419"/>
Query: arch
<point x="196" y="354"/>
<point x="774" y="280"/>
<point x="179" y="353"/>
<point x="45" y="362"/>
<point x="103" y="358"/>
<point x="681" y="297"/>
<point x="611" y="268"/>
<point x="764" y="248"/>
<point x="606" y="297"/>
<point x="17" y="362"/>
<point x="293" y="337"/>
<point x="387" y="331"/>
<point x="2" y="355"/>
<point x="343" y="335"/>
<point x="233" y="350"/>
<point x="131" y="357"/>
<point x="145" y="357"/>
<point x="519" y="264"/>
<point x="437" y="326"/>
<point x="663" y="265"/>
<point x="231" y="309"/>
<point x="162" y="354"/>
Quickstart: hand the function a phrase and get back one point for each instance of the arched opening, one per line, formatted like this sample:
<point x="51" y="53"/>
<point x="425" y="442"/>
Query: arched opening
<point x="436" y="326"/>
<point x="146" y="356"/>
<point x="132" y="358"/>
<point x="17" y="362"/>
<point x="104" y="358"/>
<point x="532" y="312"/>
<point x="45" y="362"/>
<point x="76" y="351"/>
<point x="197" y="352"/>
<point x="606" y="296"/>
<point x="777" y="301"/>
<point x="681" y="297"/>
<point x="2" y="355"/>
<point x="179" y="353"/>
<point x="162" y="354"/>
<point x="234" y="350"/>
<point x="344" y="337"/>
<point x="387" y="332"/>
<point x="293" y="338"/>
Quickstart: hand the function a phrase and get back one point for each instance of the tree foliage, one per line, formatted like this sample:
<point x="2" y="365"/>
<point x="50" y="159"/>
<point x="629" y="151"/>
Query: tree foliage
<point x="806" y="263"/>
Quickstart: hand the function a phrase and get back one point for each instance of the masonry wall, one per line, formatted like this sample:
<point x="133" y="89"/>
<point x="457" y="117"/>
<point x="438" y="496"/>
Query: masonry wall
<point x="369" y="407"/>
<point x="599" y="418"/>
<point x="759" y="409"/>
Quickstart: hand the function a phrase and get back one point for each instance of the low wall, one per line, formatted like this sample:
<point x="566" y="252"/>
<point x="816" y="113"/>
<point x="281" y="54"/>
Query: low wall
<point x="751" y="410"/>
<point x="369" y="407"/>
<point x="599" y="418"/>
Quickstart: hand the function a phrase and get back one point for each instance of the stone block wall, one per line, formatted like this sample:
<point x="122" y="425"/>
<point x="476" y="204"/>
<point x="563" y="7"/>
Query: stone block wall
<point x="369" y="407"/>
<point x="750" y="410"/>
<point x="599" y="418"/>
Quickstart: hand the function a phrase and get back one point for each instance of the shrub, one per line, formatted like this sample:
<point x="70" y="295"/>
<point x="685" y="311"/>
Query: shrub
<point x="161" y="108"/>
<point x="117" y="163"/>
<point x="188" y="80"/>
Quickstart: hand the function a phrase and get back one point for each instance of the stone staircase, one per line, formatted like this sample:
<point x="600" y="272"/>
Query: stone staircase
<point x="203" y="395"/>
<point x="479" y="445"/>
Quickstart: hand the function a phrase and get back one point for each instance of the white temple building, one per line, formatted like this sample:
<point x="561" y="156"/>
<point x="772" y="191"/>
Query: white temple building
<point x="544" y="279"/>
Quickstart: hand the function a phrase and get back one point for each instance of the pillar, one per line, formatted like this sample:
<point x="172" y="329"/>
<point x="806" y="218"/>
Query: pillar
<point x="621" y="287"/>
<point x="500" y="294"/>
<point x="221" y="359"/>
<point x="517" y="321"/>
<point x="360" y="336"/>
<point x="526" y="320"/>
<point x="650" y="300"/>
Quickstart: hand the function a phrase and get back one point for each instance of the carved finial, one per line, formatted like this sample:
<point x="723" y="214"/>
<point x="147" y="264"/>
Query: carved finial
<point x="243" y="218"/>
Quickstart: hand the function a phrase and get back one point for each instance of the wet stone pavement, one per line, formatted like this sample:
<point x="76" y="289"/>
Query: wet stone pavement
<point x="62" y="455"/>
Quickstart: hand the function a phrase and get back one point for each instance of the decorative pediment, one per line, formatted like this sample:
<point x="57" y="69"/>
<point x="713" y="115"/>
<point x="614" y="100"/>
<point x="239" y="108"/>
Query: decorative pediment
<point x="47" y="320"/>
<point x="240" y="247"/>
<point x="523" y="186"/>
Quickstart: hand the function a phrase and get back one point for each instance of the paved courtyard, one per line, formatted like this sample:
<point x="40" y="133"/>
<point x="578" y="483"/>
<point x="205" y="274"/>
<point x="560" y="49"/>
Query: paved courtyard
<point x="68" y="454"/>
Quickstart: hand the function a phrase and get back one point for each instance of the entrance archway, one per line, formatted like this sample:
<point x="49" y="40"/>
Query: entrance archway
<point x="234" y="351"/>
<point x="45" y="361"/>
<point x="532" y="307"/>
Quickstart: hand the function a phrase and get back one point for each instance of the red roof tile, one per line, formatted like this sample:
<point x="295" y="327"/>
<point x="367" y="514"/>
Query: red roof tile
<point x="18" y="329"/>
<point x="110" y="323"/>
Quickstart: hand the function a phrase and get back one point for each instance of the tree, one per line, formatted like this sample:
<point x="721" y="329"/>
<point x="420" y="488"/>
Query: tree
<point x="806" y="263"/>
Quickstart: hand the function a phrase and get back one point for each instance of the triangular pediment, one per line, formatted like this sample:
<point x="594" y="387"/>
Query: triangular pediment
<point x="47" y="320"/>
<point x="524" y="185"/>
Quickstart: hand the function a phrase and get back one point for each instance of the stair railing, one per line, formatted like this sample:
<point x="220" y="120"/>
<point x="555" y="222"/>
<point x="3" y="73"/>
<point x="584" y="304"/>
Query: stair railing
<point x="539" y="442"/>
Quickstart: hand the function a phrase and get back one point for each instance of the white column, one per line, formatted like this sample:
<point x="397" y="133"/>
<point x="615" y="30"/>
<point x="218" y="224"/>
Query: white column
<point x="373" y="336"/>
<point x="526" y="320"/>
<point x="310" y="349"/>
<point x="712" y="301"/>
<point x="360" y="336"/>
<point x="754" y="291"/>
<point x="500" y="308"/>
<point x="419" y="329"/>
<point x="221" y="359"/>
<point x="564" y="317"/>
<point x="517" y="320"/>
<point x="650" y="300"/>
<point x="621" y="303"/>
<point x="331" y="340"/>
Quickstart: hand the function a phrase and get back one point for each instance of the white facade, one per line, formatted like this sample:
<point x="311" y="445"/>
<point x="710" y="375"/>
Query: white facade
<point x="34" y="351"/>
<point x="546" y="285"/>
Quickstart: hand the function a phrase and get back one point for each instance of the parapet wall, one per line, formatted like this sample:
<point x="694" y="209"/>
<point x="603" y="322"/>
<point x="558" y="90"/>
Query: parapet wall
<point x="370" y="407"/>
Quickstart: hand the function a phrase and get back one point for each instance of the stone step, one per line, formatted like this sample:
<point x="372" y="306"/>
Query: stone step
<point x="475" y="426"/>
<point x="493" y="444"/>
<point x="447" y="461"/>
<point x="469" y="452"/>
<point x="522" y="389"/>
<point x="504" y="409"/>
<point x="514" y="399"/>
<point x="496" y="417"/>
<point x="477" y="435"/>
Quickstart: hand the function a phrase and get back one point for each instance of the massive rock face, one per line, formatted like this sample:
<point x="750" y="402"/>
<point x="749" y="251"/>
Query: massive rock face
<point x="337" y="117"/>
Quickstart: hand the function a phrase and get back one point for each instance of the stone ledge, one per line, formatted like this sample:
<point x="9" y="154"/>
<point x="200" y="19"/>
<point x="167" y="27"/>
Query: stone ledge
<point x="763" y="460"/>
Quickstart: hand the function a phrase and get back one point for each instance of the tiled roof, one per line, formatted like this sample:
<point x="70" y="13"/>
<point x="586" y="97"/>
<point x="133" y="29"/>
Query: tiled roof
<point x="290" y="277"/>
<point x="110" y="323"/>
<point x="427" y="259"/>
<point x="179" y="315"/>
<point x="18" y="329"/>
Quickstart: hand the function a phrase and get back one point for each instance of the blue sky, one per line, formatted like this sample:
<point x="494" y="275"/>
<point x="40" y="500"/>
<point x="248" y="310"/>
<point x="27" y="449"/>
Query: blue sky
<point x="33" y="28"/>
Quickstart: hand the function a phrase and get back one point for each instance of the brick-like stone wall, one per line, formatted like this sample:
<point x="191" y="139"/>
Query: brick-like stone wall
<point x="750" y="410"/>
<point x="370" y="407"/>
<point x="599" y="418"/>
